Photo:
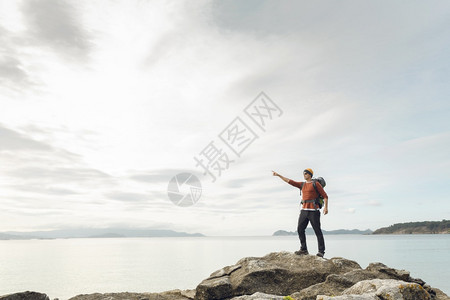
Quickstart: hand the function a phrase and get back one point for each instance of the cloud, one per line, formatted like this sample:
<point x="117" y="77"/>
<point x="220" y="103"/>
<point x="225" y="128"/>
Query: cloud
<point x="159" y="175"/>
<point x="31" y="33"/>
<point x="44" y="190"/>
<point x="330" y="49"/>
<point x="13" y="71"/>
<point x="57" y="24"/>
<point x="257" y="17"/>
<point x="14" y="141"/>
<point x="40" y="168"/>
<point x="17" y="147"/>
<point x="237" y="183"/>
<point x="127" y="196"/>
<point x="60" y="174"/>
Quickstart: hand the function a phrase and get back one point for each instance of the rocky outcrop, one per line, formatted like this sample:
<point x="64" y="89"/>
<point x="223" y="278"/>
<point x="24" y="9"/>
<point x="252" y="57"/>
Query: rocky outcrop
<point x="259" y="296"/>
<point x="336" y="284"/>
<point x="284" y="275"/>
<point x="308" y="278"/>
<point x="280" y="273"/>
<point x="377" y="289"/>
<point x="25" y="296"/>
<point x="169" y="295"/>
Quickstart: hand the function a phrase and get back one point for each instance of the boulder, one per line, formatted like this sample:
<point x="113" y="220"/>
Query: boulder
<point x="259" y="296"/>
<point x="25" y="296"/>
<point x="280" y="273"/>
<point x="376" y="289"/>
<point x="169" y="295"/>
<point x="335" y="284"/>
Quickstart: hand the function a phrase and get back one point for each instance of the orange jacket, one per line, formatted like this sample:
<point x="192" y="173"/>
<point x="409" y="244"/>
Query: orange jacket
<point x="308" y="192"/>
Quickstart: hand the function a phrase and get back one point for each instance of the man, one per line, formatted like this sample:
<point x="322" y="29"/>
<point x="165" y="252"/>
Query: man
<point x="310" y="212"/>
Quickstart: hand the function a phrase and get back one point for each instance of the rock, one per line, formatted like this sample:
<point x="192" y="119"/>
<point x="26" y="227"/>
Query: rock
<point x="280" y="273"/>
<point x="258" y="296"/>
<point x="335" y="284"/>
<point x="376" y="289"/>
<point x="440" y="295"/>
<point x="382" y="269"/>
<point x="169" y="295"/>
<point x="25" y="296"/>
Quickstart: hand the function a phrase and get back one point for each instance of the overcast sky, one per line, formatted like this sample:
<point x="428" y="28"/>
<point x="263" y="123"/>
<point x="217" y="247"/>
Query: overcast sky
<point x="102" y="103"/>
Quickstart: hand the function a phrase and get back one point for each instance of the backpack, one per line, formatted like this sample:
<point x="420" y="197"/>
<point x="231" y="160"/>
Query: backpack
<point x="319" y="200"/>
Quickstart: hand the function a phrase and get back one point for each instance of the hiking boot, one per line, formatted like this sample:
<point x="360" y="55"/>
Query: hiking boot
<point x="320" y="254"/>
<point x="301" y="252"/>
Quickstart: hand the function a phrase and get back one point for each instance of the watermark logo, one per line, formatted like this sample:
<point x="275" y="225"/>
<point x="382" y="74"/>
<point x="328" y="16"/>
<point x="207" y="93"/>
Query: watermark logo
<point x="238" y="136"/>
<point x="184" y="189"/>
<point x="214" y="159"/>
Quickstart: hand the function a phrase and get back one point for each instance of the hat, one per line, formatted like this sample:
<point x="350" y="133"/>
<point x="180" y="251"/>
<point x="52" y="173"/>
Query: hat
<point x="309" y="171"/>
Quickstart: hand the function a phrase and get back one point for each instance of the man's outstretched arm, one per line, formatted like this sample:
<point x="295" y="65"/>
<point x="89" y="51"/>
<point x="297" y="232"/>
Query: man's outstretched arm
<point x="282" y="177"/>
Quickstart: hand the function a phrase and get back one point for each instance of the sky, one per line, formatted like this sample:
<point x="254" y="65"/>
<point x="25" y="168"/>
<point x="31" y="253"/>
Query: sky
<point x="104" y="103"/>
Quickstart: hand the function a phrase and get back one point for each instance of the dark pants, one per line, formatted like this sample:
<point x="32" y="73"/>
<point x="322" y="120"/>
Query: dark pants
<point x="305" y="217"/>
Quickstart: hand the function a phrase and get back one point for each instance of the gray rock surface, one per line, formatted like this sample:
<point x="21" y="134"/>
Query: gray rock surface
<point x="377" y="289"/>
<point x="258" y="296"/>
<point x="337" y="283"/>
<point x="280" y="273"/>
<point x="25" y="296"/>
<point x="169" y="295"/>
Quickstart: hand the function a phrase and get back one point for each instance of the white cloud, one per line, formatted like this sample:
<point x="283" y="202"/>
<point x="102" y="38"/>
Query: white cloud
<point x="56" y="24"/>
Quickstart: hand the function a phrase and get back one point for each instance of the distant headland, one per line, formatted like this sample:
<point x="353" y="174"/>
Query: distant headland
<point x="428" y="227"/>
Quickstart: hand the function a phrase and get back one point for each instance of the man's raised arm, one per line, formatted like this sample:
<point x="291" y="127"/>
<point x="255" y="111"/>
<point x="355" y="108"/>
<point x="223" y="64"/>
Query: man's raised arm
<point x="282" y="177"/>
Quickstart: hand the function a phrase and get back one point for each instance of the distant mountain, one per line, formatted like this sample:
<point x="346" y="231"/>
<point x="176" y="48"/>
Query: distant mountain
<point x="107" y="235"/>
<point x="311" y="231"/>
<point x="429" y="227"/>
<point x="94" y="233"/>
<point x="347" y="231"/>
<point x="5" y="236"/>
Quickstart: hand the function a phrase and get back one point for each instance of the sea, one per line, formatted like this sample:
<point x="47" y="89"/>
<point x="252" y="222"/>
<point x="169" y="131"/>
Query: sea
<point x="63" y="268"/>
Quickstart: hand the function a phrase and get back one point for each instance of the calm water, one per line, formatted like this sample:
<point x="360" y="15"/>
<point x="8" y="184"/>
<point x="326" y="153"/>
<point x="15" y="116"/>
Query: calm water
<point x="65" y="268"/>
